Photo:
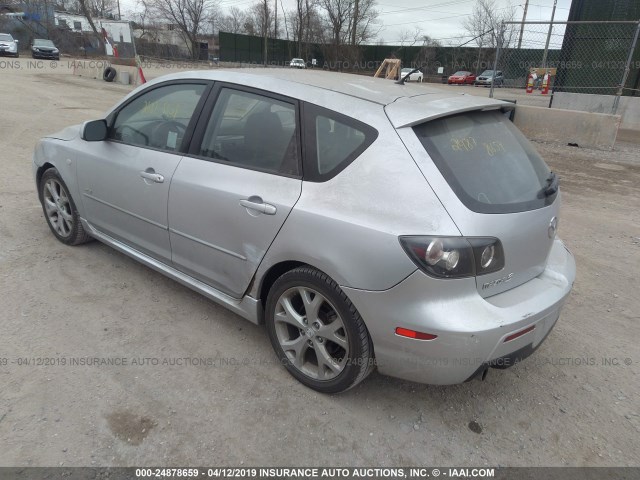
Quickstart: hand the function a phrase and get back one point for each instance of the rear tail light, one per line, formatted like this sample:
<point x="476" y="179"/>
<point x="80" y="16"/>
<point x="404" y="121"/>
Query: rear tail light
<point x="454" y="257"/>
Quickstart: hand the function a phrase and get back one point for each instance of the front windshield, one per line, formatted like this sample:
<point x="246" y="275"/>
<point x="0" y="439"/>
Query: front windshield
<point x="487" y="72"/>
<point x="406" y="70"/>
<point x="5" y="37"/>
<point x="43" y="43"/>
<point x="461" y="73"/>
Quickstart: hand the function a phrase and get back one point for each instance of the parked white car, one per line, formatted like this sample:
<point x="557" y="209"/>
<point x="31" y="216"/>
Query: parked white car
<point x="414" y="77"/>
<point x="297" y="63"/>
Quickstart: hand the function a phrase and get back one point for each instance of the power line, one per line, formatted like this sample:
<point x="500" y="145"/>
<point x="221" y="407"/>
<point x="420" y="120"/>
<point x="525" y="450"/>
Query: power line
<point x="397" y="42"/>
<point x="413" y="9"/>
<point x="436" y="19"/>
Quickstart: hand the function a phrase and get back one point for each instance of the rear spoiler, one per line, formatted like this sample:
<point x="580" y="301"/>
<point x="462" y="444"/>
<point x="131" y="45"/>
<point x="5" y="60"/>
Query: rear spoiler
<point x="411" y="111"/>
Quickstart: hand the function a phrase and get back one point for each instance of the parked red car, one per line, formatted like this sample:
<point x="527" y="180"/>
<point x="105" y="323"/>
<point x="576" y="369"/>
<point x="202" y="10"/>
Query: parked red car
<point x="462" y="78"/>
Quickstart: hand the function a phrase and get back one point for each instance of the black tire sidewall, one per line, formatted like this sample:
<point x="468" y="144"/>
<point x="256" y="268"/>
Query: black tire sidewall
<point x="311" y="278"/>
<point x="109" y="74"/>
<point x="53" y="173"/>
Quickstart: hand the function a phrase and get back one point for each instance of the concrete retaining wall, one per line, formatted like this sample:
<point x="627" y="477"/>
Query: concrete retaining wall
<point x="628" y="109"/>
<point x="594" y="130"/>
<point x="95" y="69"/>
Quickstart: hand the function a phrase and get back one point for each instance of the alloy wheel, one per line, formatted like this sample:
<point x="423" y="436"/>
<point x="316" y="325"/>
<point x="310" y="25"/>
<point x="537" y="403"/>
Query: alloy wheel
<point x="57" y="207"/>
<point x="311" y="333"/>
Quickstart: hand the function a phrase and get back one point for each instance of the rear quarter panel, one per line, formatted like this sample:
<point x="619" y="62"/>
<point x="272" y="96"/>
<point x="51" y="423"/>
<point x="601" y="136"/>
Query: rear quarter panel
<point x="348" y="226"/>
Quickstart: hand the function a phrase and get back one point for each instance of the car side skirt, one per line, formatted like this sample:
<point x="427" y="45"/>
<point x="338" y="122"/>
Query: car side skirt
<point x="247" y="307"/>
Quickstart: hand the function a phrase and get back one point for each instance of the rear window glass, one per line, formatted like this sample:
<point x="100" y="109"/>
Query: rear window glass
<point x="488" y="163"/>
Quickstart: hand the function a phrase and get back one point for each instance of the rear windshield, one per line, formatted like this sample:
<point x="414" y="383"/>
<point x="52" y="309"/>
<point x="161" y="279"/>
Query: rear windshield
<point x="488" y="163"/>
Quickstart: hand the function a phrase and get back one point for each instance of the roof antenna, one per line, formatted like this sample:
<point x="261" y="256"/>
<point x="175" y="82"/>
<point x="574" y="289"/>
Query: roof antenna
<point x="402" y="79"/>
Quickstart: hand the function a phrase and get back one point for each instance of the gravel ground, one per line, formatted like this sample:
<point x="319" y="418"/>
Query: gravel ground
<point x="575" y="402"/>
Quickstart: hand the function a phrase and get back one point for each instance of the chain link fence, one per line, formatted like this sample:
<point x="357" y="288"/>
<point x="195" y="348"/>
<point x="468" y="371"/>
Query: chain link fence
<point x="597" y="58"/>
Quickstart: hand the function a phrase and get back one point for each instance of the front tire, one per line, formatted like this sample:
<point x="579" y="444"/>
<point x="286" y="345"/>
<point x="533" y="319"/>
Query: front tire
<point x="316" y="331"/>
<point x="60" y="210"/>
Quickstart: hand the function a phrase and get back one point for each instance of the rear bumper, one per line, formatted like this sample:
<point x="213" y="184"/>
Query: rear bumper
<point x="472" y="332"/>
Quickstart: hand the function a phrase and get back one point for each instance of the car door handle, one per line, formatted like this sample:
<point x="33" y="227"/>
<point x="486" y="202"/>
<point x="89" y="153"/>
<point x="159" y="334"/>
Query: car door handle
<point x="259" y="206"/>
<point x="154" y="177"/>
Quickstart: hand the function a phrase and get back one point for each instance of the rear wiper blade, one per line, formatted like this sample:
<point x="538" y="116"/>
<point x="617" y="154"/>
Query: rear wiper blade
<point x="552" y="185"/>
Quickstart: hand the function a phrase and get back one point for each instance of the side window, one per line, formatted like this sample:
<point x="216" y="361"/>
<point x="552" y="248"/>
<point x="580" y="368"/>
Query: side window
<point x="252" y="131"/>
<point x="333" y="141"/>
<point x="158" y="118"/>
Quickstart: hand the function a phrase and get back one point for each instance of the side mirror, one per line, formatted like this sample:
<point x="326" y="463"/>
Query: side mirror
<point x="17" y="41"/>
<point x="94" y="131"/>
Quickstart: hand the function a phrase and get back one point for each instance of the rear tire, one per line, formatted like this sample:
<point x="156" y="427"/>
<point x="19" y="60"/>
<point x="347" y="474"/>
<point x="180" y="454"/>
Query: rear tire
<point x="316" y="331"/>
<point x="59" y="209"/>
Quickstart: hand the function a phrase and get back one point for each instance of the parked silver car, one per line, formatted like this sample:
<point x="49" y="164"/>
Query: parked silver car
<point x="487" y="77"/>
<point x="366" y="223"/>
<point x="8" y="46"/>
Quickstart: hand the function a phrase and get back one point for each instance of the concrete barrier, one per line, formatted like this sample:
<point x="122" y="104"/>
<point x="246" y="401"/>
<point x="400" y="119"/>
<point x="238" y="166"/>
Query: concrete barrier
<point x="628" y="108"/>
<point x="594" y="130"/>
<point x="95" y="69"/>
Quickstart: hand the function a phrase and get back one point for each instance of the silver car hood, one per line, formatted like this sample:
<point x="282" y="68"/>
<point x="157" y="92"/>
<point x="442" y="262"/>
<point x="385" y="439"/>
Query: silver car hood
<point x="66" y="134"/>
<point x="410" y="111"/>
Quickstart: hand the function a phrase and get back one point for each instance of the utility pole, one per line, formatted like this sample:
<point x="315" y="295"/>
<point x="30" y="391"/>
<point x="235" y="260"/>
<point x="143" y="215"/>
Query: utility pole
<point x="355" y="23"/>
<point x="265" y="30"/>
<point x="524" y="18"/>
<point x="546" y="47"/>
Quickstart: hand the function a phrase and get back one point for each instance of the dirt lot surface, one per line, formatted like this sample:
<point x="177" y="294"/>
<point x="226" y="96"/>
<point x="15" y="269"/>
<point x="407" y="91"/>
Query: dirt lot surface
<point x="575" y="402"/>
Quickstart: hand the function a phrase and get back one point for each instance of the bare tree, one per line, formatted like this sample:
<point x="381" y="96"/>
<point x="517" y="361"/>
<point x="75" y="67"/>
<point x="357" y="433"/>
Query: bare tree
<point x="363" y="25"/>
<point x="190" y="17"/>
<point x="486" y="26"/>
<point x="350" y="23"/>
<point x="85" y="9"/>
<point x="103" y="8"/>
<point x="300" y="20"/>
<point x="409" y="39"/>
<point x="234" y="21"/>
<point x="337" y="12"/>
<point x="427" y="54"/>
<point x="260" y="22"/>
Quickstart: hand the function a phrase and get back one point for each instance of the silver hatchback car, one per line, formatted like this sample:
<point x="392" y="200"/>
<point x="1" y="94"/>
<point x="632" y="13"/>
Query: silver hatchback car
<point x="367" y="223"/>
